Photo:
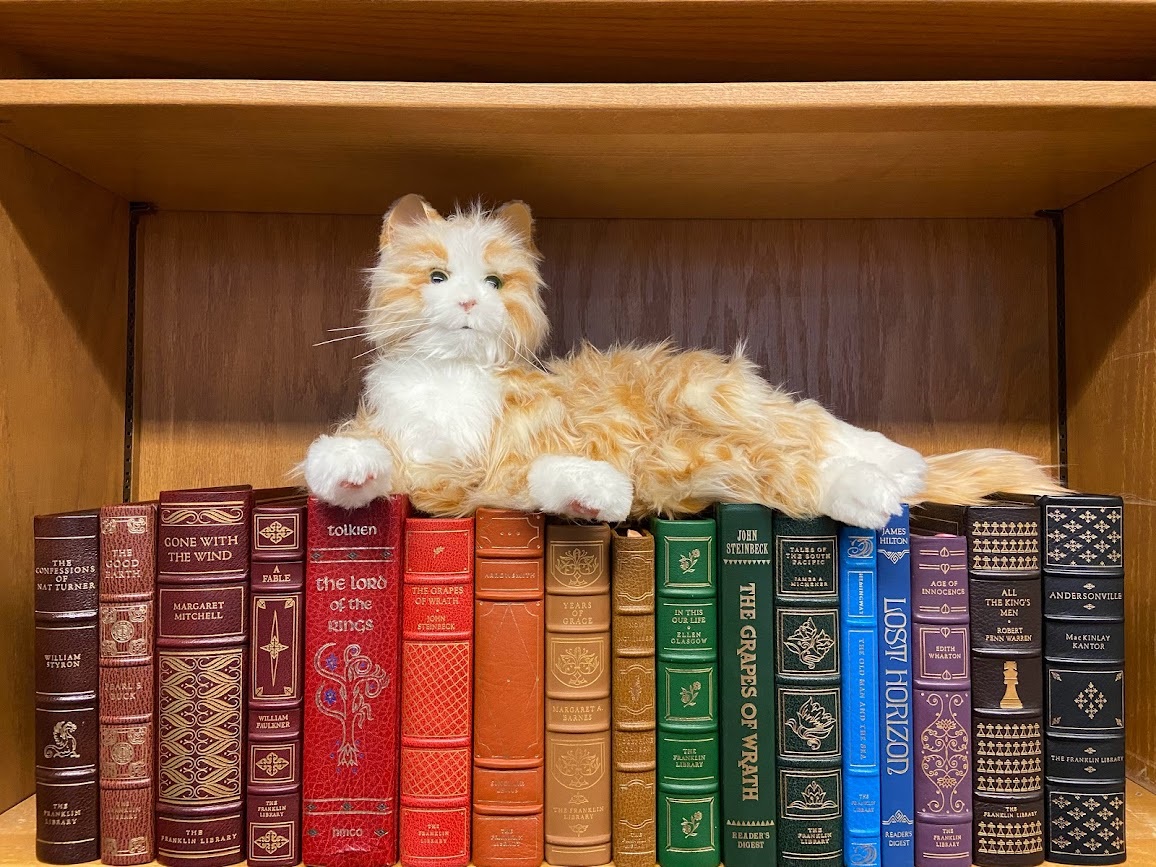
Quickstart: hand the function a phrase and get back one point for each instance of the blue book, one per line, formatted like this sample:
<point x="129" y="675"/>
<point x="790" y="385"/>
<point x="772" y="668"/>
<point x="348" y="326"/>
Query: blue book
<point x="859" y="631"/>
<point x="897" y="798"/>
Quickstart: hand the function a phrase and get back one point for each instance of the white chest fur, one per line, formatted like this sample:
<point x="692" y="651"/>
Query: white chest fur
<point x="434" y="410"/>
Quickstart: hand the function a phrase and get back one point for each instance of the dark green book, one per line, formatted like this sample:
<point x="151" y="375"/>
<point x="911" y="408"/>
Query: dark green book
<point x="686" y="633"/>
<point x="746" y="622"/>
<point x="808" y="728"/>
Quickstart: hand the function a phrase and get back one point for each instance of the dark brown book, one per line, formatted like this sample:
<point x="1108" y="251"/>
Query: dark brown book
<point x="276" y="635"/>
<point x="202" y="593"/>
<point x="633" y="674"/>
<point x="67" y="815"/>
<point x="128" y="547"/>
<point x="578" y="663"/>
<point x="509" y="623"/>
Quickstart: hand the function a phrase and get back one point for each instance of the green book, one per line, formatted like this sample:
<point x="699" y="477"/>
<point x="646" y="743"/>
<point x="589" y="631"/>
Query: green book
<point x="807" y="686"/>
<point x="747" y="686"/>
<point x="686" y="634"/>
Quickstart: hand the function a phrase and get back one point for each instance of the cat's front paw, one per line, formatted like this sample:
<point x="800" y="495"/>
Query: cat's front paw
<point x="859" y="494"/>
<point x="348" y="471"/>
<point x="905" y="467"/>
<point x="580" y="488"/>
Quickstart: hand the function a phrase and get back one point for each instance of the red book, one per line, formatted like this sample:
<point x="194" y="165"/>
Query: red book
<point x="276" y="637"/>
<point x="128" y="572"/>
<point x="436" y="706"/>
<point x="202" y="590"/>
<point x="352" y="678"/>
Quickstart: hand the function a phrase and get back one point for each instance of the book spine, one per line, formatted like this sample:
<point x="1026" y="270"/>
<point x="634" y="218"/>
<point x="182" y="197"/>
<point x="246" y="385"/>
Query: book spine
<point x="1007" y="684"/>
<point x="578" y="757"/>
<point x="352" y="677"/>
<point x="128" y="547"/>
<point x="276" y="639"/>
<point x="1083" y="547"/>
<point x="942" y="676"/>
<point x="632" y="638"/>
<point x="202" y="591"/>
<point x="807" y="681"/>
<point x="509" y="695"/>
<point x="436" y="692"/>
<point x="897" y="796"/>
<point x="746" y="622"/>
<point x="67" y="673"/>
<point x="686" y="639"/>
<point x="859" y="636"/>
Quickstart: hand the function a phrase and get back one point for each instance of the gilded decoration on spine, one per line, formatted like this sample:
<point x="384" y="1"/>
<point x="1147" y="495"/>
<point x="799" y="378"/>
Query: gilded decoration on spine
<point x="946" y="751"/>
<point x="354" y="681"/>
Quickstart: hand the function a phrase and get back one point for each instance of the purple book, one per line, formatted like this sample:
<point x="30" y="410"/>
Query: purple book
<point x="941" y="661"/>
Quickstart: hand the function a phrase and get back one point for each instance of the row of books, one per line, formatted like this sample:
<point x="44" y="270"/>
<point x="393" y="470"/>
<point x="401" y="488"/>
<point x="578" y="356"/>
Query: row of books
<point x="358" y="687"/>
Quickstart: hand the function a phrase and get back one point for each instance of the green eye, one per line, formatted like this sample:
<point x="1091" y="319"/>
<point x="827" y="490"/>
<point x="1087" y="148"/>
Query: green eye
<point x="494" y="281"/>
<point x="438" y="276"/>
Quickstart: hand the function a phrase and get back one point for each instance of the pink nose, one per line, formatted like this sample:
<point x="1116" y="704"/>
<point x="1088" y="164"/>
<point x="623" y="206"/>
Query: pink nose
<point x="467" y="305"/>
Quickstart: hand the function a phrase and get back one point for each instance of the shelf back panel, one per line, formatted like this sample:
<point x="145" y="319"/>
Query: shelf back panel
<point x="1111" y="315"/>
<point x="63" y="309"/>
<point x="938" y="332"/>
<point x="584" y="40"/>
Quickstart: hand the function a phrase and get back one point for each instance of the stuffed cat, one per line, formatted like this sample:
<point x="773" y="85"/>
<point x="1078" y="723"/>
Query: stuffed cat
<point x="457" y="414"/>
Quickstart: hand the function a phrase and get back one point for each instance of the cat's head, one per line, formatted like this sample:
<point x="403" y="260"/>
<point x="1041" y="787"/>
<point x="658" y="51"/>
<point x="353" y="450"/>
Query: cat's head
<point x="465" y="286"/>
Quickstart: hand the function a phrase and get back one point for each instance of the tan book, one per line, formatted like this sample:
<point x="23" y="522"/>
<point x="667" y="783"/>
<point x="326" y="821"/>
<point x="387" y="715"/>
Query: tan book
<point x="578" y="657"/>
<point x="633" y="671"/>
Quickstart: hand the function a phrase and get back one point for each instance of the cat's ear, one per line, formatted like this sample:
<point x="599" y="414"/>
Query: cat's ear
<point x="517" y="216"/>
<point x="406" y="211"/>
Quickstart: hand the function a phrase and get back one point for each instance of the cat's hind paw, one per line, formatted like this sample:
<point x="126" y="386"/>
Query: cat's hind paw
<point x="348" y="471"/>
<point x="580" y="488"/>
<point x="860" y="494"/>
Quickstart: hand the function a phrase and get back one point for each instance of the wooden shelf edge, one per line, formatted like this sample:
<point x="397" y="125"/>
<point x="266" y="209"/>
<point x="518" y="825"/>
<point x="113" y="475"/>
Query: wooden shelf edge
<point x="18" y="830"/>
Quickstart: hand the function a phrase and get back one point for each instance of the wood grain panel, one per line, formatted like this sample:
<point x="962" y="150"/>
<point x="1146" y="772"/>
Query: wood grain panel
<point x="843" y="149"/>
<point x="935" y="331"/>
<point x="1111" y="302"/>
<point x="63" y="269"/>
<point x="586" y="40"/>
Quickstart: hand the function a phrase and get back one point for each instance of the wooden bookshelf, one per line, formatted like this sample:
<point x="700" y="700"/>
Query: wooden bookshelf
<point x="788" y="150"/>
<point x="584" y="40"/>
<point x="853" y="185"/>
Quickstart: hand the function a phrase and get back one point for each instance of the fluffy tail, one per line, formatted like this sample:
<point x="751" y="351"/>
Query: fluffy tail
<point x="967" y="477"/>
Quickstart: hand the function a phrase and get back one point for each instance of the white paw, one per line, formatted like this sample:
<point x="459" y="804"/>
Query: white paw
<point x="348" y="471"/>
<point x="580" y="488"/>
<point x="905" y="467"/>
<point x="859" y="494"/>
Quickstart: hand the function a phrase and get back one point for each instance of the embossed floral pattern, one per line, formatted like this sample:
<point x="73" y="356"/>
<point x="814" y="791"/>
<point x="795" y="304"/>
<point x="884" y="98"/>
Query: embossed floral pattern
<point x="809" y="643"/>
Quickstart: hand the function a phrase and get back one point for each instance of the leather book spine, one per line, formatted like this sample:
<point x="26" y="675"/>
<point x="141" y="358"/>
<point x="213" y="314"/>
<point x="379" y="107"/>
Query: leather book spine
<point x="632" y="639"/>
<point x="942" y="675"/>
<point x="275" y="696"/>
<point x="746" y="622"/>
<point x="509" y="692"/>
<point x="807" y="685"/>
<point x="578" y="757"/>
<point x="202" y="593"/>
<point x="352" y="678"/>
<point x="437" y="678"/>
<point x="128" y="547"/>
<point x="859" y="637"/>
<point x="67" y="673"/>
<point x="1083" y="550"/>
<point x="897" y="798"/>
<point x="686" y="644"/>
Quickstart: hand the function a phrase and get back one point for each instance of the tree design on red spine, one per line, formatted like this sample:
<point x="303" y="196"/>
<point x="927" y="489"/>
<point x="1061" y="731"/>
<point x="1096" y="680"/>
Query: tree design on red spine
<point x="353" y="681"/>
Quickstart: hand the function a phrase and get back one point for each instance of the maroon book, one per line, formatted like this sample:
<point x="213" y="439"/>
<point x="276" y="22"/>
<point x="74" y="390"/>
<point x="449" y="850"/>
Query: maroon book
<point x="67" y="818"/>
<point x="202" y="588"/>
<point x="941" y="657"/>
<point x="352" y="680"/>
<point x="128" y="548"/>
<point x="276" y="634"/>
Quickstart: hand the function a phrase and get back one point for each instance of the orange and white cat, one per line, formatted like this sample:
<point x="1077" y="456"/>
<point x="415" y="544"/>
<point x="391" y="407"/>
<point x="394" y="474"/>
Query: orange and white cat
<point x="456" y="415"/>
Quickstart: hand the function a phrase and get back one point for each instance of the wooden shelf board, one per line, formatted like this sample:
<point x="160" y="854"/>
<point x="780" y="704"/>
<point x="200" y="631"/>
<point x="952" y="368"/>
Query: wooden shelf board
<point x="18" y="831"/>
<point x="850" y="149"/>
<point x="586" y="40"/>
